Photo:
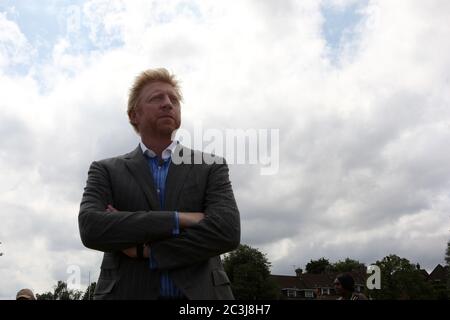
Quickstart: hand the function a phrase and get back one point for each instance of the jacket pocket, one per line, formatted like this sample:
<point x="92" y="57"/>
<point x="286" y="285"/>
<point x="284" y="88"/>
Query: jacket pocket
<point x="220" y="278"/>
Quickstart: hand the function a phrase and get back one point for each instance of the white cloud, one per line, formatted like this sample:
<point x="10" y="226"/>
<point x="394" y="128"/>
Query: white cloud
<point x="14" y="48"/>
<point x="362" y="142"/>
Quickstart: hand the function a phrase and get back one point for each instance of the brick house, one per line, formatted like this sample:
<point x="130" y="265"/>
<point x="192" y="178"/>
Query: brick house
<point x="305" y="286"/>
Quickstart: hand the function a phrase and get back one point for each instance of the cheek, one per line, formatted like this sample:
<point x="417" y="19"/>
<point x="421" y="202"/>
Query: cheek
<point x="146" y="114"/>
<point x="178" y="114"/>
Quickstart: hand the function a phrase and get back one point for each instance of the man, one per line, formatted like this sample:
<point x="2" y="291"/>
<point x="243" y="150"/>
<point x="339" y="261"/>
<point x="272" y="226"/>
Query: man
<point x="161" y="224"/>
<point x="344" y="284"/>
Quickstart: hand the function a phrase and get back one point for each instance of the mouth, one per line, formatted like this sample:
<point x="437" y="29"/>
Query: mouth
<point x="166" y="117"/>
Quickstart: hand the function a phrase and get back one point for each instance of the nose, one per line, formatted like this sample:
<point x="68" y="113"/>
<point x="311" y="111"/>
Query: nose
<point x="166" y="102"/>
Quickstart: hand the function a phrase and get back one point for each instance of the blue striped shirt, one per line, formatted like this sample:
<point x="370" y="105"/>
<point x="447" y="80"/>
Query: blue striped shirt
<point x="159" y="170"/>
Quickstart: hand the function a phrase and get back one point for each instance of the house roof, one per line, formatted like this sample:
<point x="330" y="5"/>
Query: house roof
<point x="424" y="273"/>
<point x="312" y="281"/>
<point x="439" y="273"/>
<point x="287" y="281"/>
<point x="317" y="280"/>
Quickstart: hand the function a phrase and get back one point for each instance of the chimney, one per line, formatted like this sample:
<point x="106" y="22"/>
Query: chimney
<point x="298" y="272"/>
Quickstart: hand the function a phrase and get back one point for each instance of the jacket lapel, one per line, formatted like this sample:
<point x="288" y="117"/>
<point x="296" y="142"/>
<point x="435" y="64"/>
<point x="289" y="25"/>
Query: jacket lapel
<point x="138" y="166"/>
<point x="175" y="179"/>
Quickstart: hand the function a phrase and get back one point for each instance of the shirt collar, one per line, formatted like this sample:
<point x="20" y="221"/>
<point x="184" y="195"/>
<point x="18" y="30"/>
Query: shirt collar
<point x="166" y="154"/>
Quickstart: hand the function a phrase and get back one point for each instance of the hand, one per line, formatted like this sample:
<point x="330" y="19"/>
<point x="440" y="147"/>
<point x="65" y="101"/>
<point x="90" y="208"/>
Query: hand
<point x="188" y="219"/>
<point x="110" y="208"/>
<point x="132" y="252"/>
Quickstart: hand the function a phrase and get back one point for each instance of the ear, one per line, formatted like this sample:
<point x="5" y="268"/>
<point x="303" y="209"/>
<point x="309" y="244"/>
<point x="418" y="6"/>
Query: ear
<point x="132" y="116"/>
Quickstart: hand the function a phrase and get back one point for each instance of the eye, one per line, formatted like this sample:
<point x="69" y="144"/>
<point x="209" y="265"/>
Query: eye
<point x="155" y="99"/>
<point x="174" y="100"/>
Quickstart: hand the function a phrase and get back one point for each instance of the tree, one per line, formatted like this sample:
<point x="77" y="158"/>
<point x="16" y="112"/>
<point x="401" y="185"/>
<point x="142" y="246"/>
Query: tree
<point x="44" y="296"/>
<point x="249" y="272"/>
<point x="318" y="266"/>
<point x="447" y="254"/>
<point x="348" y="265"/>
<point x="447" y="259"/>
<point x="89" y="293"/>
<point x="400" y="279"/>
<point x="60" y="292"/>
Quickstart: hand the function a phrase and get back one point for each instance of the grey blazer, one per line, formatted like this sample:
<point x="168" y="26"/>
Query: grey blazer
<point x="191" y="258"/>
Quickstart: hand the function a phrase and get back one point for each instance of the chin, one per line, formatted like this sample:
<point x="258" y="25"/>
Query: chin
<point x="166" y="130"/>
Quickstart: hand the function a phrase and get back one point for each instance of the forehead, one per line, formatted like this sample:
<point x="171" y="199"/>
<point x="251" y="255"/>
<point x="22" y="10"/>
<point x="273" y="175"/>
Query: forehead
<point x="155" y="87"/>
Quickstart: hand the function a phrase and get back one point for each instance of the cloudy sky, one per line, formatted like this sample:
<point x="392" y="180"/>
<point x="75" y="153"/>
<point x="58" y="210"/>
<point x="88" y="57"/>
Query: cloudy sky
<point x="359" y="90"/>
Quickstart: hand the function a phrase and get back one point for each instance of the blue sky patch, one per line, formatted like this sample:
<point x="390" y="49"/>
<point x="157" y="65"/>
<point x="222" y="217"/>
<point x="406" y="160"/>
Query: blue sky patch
<point x="339" y="25"/>
<point x="44" y="22"/>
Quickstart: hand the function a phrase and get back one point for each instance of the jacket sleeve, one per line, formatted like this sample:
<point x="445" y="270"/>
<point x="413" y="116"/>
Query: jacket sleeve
<point x="217" y="233"/>
<point x="111" y="231"/>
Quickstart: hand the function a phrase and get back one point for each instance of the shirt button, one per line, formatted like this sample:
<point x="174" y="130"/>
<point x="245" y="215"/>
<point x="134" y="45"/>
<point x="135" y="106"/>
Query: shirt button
<point x="158" y="190"/>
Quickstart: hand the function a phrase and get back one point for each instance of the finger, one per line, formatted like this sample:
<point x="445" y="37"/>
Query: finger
<point x="110" y="207"/>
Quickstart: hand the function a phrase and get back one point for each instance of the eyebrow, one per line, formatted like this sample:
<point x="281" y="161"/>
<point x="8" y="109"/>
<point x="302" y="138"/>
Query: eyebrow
<point x="170" y="93"/>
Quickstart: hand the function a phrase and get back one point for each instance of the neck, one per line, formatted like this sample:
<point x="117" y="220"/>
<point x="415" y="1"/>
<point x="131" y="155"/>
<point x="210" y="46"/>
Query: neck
<point x="157" y="144"/>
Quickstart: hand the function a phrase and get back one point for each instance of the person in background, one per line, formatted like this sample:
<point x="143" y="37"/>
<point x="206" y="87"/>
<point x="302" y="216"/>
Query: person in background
<point x="25" y="294"/>
<point x="344" y="284"/>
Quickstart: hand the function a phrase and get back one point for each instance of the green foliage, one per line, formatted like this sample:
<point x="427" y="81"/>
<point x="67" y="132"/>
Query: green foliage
<point x="401" y="280"/>
<point x="60" y="292"/>
<point x="447" y="259"/>
<point x="348" y="265"/>
<point x="324" y="266"/>
<point x="249" y="271"/>
<point x="447" y="254"/>
<point x="89" y="293"/>
<point x="318" y="266"/>
<point x="44" y="296"/>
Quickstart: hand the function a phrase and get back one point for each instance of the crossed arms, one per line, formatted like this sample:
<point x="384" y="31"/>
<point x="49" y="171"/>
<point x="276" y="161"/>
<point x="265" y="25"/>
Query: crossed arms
<point x="185" y="220"/>
<point x="202" y="235"/>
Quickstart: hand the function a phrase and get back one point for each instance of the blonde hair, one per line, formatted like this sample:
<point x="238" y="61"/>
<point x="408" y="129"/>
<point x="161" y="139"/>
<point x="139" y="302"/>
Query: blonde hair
<point x="146" y="77"/>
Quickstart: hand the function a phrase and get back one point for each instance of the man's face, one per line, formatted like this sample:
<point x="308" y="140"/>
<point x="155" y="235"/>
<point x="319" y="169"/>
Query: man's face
<point x="158" y="110"/>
